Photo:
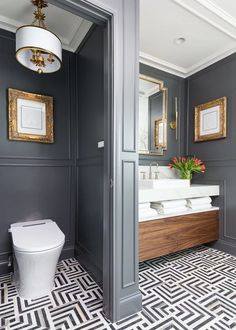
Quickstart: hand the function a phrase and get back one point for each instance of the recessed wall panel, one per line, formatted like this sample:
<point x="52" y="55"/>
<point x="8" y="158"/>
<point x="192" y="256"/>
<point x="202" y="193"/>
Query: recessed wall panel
<point x="32" y="193"/>
<point x="128" y="224"/>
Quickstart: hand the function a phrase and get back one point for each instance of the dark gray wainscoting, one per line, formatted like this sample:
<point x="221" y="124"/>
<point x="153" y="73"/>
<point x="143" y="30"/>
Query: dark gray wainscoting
<point x="37" y="180"/>
<point x="176" y="88"/>
<point x="219" y="155"/>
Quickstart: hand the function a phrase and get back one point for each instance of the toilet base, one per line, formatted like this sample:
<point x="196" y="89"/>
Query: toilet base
<point x="34" y="273"/>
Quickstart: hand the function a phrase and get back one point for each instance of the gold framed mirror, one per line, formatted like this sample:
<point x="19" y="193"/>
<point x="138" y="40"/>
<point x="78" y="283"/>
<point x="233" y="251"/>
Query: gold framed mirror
<point x="153" y="99"/>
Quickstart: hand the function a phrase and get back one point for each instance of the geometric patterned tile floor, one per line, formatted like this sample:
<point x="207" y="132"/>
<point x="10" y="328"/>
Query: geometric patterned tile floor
<point x="190" y="290"/>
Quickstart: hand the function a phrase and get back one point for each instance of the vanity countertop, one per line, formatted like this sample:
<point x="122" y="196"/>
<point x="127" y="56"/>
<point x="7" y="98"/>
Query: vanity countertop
<point x="195" y="190"/>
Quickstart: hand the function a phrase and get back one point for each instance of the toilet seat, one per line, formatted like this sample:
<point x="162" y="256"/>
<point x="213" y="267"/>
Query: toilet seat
<point x="36" y="236"/>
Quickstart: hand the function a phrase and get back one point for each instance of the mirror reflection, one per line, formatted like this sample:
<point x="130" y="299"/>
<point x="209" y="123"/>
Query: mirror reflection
<point x="152" y="116"/>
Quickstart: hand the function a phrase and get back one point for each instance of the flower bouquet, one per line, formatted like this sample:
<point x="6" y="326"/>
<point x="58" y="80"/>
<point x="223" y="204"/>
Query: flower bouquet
<point x="187" y="166"/>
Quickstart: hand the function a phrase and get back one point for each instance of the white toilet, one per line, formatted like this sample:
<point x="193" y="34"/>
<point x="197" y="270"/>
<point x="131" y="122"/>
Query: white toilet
<point x="37" y="246"/>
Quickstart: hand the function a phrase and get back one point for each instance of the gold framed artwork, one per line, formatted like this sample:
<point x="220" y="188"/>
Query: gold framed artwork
<point x="210" y="120"/>
<point x="30" y="116"/>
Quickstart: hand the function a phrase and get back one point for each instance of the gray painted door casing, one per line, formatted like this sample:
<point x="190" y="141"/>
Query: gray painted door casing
<point x="121" y="292"/>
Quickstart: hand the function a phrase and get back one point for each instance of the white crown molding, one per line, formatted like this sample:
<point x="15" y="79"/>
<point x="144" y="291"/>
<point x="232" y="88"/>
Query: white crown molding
<point x="162" y="65"/>
<point x="218" y="11"/>
<point x="80" y="34"/>
<point x="186" y="72"/>
<point x="70" y="45"/>
<point x="9" y="24"/>
<point x="211" y="59"/>
<point x="212" y="14"/>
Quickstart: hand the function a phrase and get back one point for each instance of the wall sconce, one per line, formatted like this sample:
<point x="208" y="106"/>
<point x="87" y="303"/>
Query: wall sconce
<point x="37" y="48"/>
<point x="174" y="124"/>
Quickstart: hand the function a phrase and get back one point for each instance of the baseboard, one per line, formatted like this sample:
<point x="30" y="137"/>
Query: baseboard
<point x="67" y="252"/>
<point x="224" y="246"/>
<point x="130" y="305"/>
<point x="86" y="259"/>
<point x="4" y="267"/>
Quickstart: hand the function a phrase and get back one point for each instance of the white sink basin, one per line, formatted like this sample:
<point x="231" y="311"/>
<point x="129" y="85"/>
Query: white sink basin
<point x="163" y="183"/>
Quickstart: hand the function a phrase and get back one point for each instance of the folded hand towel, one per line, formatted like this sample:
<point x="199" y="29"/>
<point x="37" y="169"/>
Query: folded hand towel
<point x="147" y="213"/>
<point x="175" y="210"/>
<point x="170" y="204"/>
<point x="148" y="217"/>
<point x="199" y="200"/>
<point x="144" y="206"/>
<point x="206" y="206"/>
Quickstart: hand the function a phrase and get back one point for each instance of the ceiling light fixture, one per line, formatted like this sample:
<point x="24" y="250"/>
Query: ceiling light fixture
<point x="37" y="48"/>
<point x="180" y="41"/>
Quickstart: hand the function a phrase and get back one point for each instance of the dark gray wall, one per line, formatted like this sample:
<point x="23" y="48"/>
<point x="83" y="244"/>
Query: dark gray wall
<point x="219" y="155"/>
<point x="37" y="180"/>
<point x="89" y="160"/>
<point x="176" y="88"/>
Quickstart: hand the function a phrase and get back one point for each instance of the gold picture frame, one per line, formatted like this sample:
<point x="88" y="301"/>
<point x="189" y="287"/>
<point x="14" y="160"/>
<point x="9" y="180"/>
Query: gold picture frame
<point x="210" y="120"/>
<point x="30" y="116"/>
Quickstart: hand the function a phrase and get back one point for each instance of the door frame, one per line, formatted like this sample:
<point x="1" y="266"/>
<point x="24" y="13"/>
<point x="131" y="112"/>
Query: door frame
<point x="121" y="296"/>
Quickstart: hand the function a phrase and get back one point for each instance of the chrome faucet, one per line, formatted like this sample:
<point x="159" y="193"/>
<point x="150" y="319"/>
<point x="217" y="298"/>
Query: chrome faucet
<point x="150" y="170"/>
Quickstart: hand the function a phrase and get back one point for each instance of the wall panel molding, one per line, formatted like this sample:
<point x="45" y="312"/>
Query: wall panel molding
<point x="129" y="113"/>
<point x="230" y="162"/>
<point x="70" y="164"/>
<point x="47" y="85"/>
<point x="129" y="216"/>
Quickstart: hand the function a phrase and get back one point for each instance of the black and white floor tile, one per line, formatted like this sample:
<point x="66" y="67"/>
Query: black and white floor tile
<point x="191" y="290"/>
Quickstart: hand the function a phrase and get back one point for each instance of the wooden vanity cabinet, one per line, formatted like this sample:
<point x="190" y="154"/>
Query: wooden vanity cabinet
<point x="172" y="234"/>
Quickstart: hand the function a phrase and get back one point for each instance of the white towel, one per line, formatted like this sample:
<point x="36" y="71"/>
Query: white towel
<point x="173" y="210"/>
<point x="170" y="204"/>
<point x="199" y="200"/>
<point x="148" y="217"/>
<point x="147" y="213"/>
<point x="144" y="206"/>
<point x="206" y="206"/>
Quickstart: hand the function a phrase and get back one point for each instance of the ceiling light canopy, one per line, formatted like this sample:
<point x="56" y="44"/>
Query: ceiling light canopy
<point x="37" y="48"/>
<point x="180" y="41"/>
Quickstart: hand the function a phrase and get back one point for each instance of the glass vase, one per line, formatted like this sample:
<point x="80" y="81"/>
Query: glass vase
<point x="187" y="175"/>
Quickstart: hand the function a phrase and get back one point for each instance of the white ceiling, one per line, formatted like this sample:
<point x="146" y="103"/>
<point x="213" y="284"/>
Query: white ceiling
<point x="209" y="27"/>
<point x="71" y="29"/>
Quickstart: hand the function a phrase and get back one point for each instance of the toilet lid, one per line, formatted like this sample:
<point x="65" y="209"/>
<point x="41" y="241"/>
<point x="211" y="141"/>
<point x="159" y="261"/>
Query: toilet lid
<point x="36" y="236"/>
